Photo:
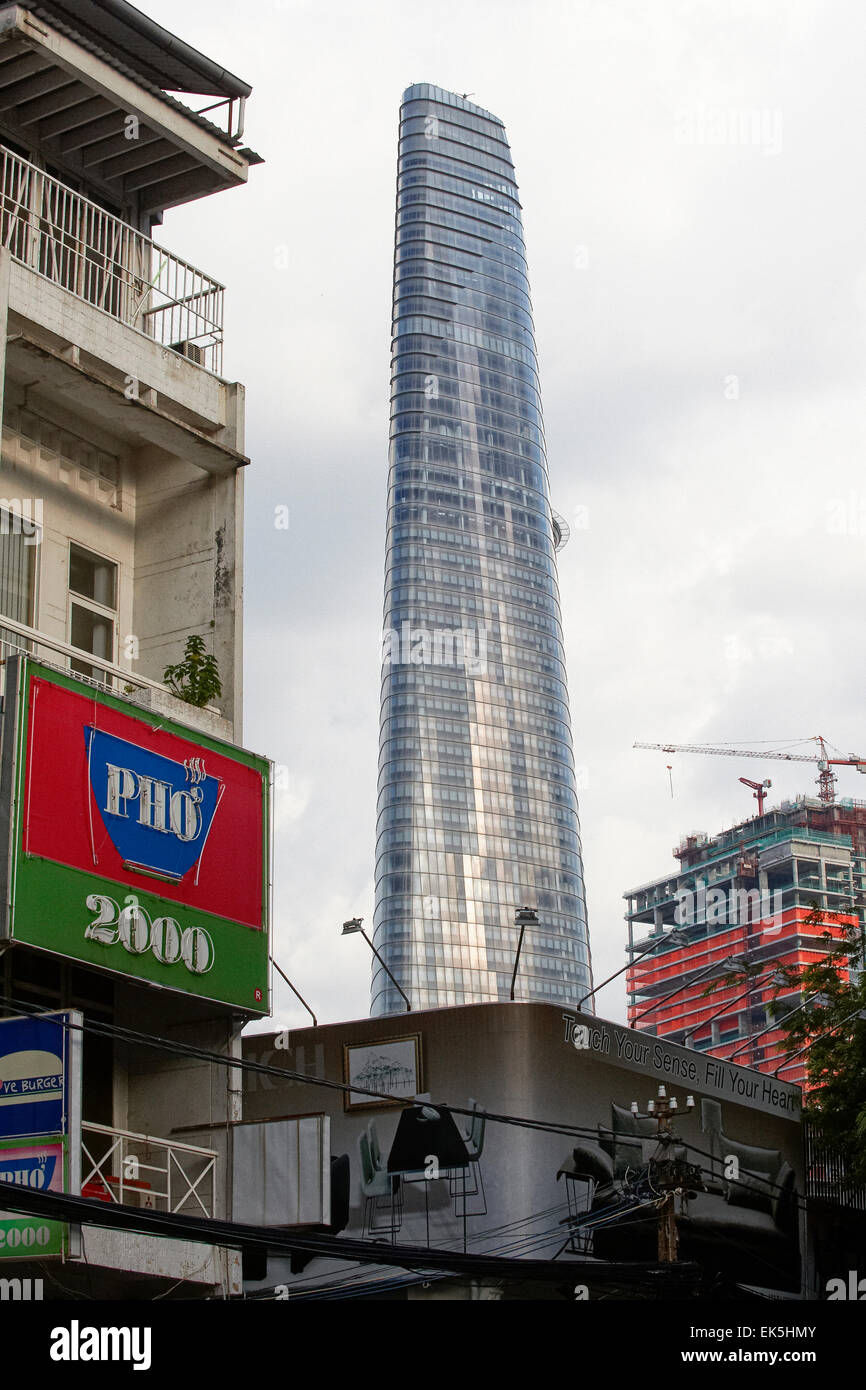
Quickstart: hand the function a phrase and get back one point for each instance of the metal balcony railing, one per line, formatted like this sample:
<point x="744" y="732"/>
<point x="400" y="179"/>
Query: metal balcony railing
<point x="75" y="243"/>
<point x="826" y="1177"/>
<point x="141" y="1171"/>
<point x="16" y="639"/>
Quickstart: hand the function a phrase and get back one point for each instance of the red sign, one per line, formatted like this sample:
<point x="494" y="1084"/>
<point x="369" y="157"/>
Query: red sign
<point x="221" y="870"/>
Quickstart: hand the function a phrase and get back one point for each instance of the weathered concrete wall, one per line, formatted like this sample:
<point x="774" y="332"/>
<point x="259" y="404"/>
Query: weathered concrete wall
<point x="173" y="526"/>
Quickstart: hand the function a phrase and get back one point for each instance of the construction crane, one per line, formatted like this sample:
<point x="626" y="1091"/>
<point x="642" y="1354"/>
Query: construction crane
<point x="759" y="790"/>
<point x="826" y="777"/>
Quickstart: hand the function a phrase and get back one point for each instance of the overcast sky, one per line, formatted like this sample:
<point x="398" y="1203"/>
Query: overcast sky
<point x="692" y="186"/>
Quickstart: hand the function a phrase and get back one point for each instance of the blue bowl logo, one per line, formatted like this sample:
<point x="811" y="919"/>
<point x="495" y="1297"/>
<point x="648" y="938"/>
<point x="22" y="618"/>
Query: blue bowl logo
<point x="29" y="1172"/>
<point x="158" y="812"/>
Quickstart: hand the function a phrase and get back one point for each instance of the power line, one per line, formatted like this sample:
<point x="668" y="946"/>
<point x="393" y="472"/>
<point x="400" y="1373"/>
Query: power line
<point x="245" y="1064"/>
<point x="506" y="1229"/>
<point x="264" y="1068"/>
<point x="209" y="1230"/>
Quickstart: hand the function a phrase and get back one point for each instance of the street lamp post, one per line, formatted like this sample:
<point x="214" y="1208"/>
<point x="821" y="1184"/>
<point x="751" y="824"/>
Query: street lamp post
<point x="739" y="967"/>
<point x="354" y="925"/>
<point x="524" y="917"/>
<point x="677" y="938"/>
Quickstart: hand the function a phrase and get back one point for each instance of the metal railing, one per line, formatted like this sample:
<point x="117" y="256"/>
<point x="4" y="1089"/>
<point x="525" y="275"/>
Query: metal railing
<point x="139" y="1170"/>
<point x="75" y="243"/>
<point x="116" y="681"/>
<point x="16" y="639"/>
<point x="650" y="899"/>
<point x="802" y="832"/>
<point x="233" y="112"/>
<point x="826" y="1177"/>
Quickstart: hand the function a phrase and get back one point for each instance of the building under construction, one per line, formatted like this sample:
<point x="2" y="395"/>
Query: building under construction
<point x="762" y="895"/>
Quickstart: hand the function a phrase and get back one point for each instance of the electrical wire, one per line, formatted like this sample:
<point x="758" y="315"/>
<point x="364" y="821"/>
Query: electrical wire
<point x="530" y="1240"/>
<point x="263" y="1068"/>
<point x="570" y="1131"/>
<point x="62" y="1206"/>
<point x="353" y="1286"/>
<point x="183" y="1049"/>
<point x="484" y="1236"/>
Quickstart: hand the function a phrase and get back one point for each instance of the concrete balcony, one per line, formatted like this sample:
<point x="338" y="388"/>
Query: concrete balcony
<point x="99" y="312"/>
<point x="19" y="640"/>
<point x="140" y="1170"/>
<point x="73" y="242"/>
<point x="116" y="421"/>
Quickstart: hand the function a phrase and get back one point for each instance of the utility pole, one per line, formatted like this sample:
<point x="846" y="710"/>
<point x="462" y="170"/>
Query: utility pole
<point x="669" y="1176"/>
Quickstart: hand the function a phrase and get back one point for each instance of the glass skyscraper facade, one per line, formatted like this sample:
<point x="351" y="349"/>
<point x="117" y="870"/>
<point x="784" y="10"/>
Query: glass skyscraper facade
<point x="477" y="811"/>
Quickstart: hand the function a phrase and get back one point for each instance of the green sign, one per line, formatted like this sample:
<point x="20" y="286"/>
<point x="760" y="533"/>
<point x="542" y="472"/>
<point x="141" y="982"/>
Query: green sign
<point x="138" y="845"/>
<point x="41" y="1165"/>
<point x="31" y="1238"/>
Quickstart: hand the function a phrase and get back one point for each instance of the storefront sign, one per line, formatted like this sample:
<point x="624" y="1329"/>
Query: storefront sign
<point x="137" y="845"/>
<point x="40" y="1125"/>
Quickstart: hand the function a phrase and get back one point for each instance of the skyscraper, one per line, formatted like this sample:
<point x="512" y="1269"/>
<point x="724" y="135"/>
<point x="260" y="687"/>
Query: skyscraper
<point x="477" y="799"/>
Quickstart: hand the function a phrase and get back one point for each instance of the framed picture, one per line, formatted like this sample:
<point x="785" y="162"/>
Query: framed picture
<point x="392" y="1067"/>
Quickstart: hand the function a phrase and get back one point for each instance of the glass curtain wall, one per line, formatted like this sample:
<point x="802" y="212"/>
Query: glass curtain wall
<point x="477" y="810"/>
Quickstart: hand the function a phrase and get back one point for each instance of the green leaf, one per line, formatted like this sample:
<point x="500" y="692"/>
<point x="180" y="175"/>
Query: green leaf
<point x="195" y="680"/>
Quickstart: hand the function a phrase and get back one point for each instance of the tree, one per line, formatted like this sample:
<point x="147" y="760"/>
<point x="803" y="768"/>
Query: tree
<point x="195" y="679"/>
<point x="832" y="1030"/>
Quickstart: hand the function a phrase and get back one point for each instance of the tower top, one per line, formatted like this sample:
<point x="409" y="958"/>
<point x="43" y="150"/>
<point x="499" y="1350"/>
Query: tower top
<point x="426" y="91"/>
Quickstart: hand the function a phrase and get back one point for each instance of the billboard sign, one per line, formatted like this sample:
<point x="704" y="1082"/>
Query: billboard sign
<point x="40" y="1124"/>
<point x="35" y="1057"/>
<point x="558" y="1145"/>
<point x="136" y="845"/>
<point x="41" y="1166"/>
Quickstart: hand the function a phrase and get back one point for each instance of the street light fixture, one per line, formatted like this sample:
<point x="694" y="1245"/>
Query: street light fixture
<point x="524" y="917"/>
<point x="354" y="925"/>
<point x="675" y="938"/>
